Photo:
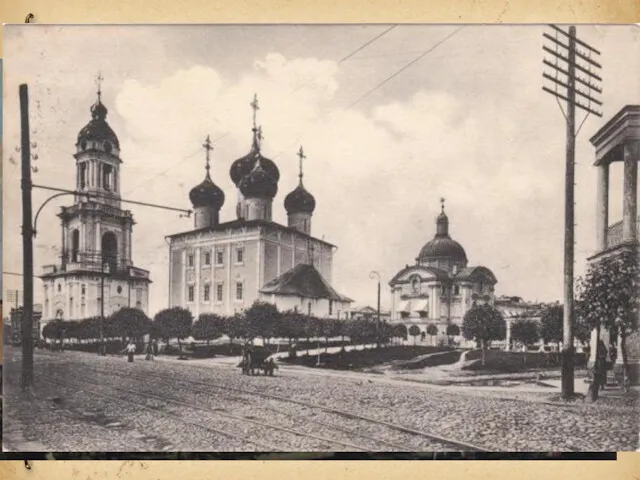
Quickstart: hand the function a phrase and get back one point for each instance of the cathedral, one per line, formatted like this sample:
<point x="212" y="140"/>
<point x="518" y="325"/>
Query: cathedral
<point x="96" y="273"/>
<point x="223" y="267"/>
<point x="440" y="287"/>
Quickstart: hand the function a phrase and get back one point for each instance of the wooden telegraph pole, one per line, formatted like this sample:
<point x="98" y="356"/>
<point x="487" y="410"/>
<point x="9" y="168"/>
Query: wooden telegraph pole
<point x="569" y="57"/>
<point x="27" y="243"/>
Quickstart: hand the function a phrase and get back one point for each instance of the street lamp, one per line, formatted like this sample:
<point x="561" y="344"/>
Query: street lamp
<point x="374" y="275"/>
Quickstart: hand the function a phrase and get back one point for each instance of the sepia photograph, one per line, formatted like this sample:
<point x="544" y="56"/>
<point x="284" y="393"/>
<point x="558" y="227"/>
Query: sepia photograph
<point x="320" y="238"/>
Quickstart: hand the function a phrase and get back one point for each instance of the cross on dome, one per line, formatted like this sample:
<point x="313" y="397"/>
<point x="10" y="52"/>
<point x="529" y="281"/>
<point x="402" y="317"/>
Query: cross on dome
<point x="301" y="156"/>
<point x="208" y="147"/>
<point x="99" y="79"/>
<point x="255" y="107"/>
<point x="442" y="203"/>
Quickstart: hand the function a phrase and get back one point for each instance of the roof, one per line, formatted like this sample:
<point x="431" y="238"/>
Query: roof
<point x="441" y="275"/>
<point x="468" y="272"/>
<point x="236" y="224"/>
<point x="303" y="280"/>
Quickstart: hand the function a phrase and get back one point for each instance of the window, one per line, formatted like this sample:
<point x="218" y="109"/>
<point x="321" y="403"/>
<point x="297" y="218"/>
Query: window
<point x="239" y="255"/>
<point x="207" y="258"/>
<point x="330" y="307"/>
<point x="59" y="287"/>
<point x="219" y="292"/>
<point x="206" y="293"/>
<point x="456" y="290"/>
<point x="190" y="293"/>
<point x="82" y="174"/>
<point x="239" y="291"/>
<point x="190" y="260"/>
<point x="107" y="177"/>
<point x="309" y="308"/>
<point x="219" y="257"/>
<point x="83" y="289"/>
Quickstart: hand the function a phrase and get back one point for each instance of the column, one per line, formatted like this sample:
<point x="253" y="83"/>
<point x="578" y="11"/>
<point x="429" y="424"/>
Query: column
<point x="602" y="208"/>
<point x="63" y="243"/>
<point x="630" y="202"/>
<point x="184" y="278"/>
<point x="198" y="285"/>
<point x="508" y="338"/>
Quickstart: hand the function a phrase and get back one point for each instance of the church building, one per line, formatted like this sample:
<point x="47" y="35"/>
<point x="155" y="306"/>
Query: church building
<point x="440" y="287"/>
<point x="223" y="267"/>
<point x="96" y="272"/>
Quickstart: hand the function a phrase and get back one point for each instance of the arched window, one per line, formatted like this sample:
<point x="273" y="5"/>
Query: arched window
<point x="110" y="251"/>
<point x="82" y="174"/>
<point x="75" y="245"/>
<point x="107" y="177"/>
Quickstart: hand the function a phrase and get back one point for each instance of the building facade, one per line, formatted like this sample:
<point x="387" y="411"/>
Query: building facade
<point x="618" y="141"/>
<point x="223" y="268"/>
<point x="440" y="287"/>
<point x="514" y="309"/>
<point x="96" y="273"/>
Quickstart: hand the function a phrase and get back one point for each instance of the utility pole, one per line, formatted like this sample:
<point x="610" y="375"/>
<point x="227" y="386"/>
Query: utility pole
<point x="27" y="244"/>
<point x="374" y="275"/>
<point x="573" y="55"/>
<point x="102" y="349"/>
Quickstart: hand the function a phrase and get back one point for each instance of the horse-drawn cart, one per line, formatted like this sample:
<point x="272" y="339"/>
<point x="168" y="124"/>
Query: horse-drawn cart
<point x="257" y="359"/>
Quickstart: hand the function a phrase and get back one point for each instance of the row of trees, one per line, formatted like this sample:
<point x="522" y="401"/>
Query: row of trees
<point x="261" y="320"/>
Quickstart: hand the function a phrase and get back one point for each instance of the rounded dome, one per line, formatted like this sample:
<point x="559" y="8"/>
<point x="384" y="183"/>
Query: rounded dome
<point x="243" y="166"/>
<point x="207" y="194"/>
<point x="299" y="201"/>
<point x="442" y="247"/>
<point x="259" y="183"/>
<point x="98" y="130"/>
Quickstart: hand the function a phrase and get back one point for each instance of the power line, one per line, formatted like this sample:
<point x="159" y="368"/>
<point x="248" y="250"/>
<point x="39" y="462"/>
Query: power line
<point x="412" y="62"/>
<point x="398" y="72"/>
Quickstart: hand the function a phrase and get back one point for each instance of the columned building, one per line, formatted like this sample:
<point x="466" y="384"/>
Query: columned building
<point x="222" y="267"/>
<point x="618" y="141"/>
<point x="440" y="287"/>
<point x="96" y="271"/>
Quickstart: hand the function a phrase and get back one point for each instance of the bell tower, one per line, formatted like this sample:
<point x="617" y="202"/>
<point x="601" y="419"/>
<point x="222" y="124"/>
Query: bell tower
<point x="96" y="273"/>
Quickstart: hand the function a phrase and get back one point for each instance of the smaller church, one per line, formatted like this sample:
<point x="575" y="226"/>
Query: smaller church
<point x="440" y="287"/>
<point x="223" y="267"/>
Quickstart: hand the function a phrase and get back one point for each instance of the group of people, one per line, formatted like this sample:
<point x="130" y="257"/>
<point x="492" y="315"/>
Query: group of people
<point x="150" y="350"/>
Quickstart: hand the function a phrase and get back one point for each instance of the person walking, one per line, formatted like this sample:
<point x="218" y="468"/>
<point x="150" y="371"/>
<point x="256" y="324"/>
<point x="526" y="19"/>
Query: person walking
<point x="131" y="350"/>
<point x="149" y="351"/>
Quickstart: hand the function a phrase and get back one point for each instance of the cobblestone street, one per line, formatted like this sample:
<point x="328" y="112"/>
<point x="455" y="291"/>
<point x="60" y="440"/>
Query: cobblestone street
<point x="83" y="402"/>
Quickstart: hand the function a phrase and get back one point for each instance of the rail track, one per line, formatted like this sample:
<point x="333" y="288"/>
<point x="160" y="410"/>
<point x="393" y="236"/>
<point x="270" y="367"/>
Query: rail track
<point x="373" y="440"/>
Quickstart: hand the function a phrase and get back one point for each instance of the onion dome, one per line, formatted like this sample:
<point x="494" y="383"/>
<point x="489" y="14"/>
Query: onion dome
<point x="207" y="193"/>
<point x="442" y="245"/>
<point x="259" y="183"/>
<point x="300" y="200"/>
<point x="243" y="165"/>
<point x="98" y="130"/>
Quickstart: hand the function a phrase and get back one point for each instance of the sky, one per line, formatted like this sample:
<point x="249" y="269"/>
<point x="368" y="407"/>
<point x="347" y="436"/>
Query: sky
<point x="467" y="121"/>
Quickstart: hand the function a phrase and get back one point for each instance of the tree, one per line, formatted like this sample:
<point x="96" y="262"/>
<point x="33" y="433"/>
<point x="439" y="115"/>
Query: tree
<point x="53" y="330"/>
<point x="608" y="298"/>
<point x="525" y="332"/>
<point x="261" y="319"/>
<point x="483" y="323"/>
<point x="235" y="327"/>
<point x="452" y="331"/>
<point x="130" y="322"/>
<point x="208" y="327"/>
<point x="400" y="331"/>
<point x="432" y="331"/>
<point x="551" y="324"/>
<point x="414" y="331"/>
<point x="173" y="322"/>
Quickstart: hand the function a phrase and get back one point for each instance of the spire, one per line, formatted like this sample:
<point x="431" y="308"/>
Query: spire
<point x="301" y="156"/>
<point x="442" y="222"/>
<point x="98" y="110"/>
<point x="208" y="147"/>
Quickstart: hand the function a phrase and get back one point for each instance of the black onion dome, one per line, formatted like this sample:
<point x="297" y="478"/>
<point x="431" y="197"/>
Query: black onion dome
<point x="259" y="183"/>
<point x="207" y="194"/>
<point x="299" y="201"/>
<point x="98" y="129"/>
<point x="243" y="166"/>
<point x="442" y="247"/>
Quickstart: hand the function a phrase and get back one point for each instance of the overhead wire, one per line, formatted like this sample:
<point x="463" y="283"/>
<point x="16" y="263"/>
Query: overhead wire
<point x="343" y="59"/>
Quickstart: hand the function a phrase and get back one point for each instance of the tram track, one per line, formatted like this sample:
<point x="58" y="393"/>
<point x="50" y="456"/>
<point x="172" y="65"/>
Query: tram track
<point x="365" y="424"/>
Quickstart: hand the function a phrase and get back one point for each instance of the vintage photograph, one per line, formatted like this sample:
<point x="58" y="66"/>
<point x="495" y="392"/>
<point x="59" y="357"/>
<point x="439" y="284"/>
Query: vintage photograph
<point x="320" y="238"/>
